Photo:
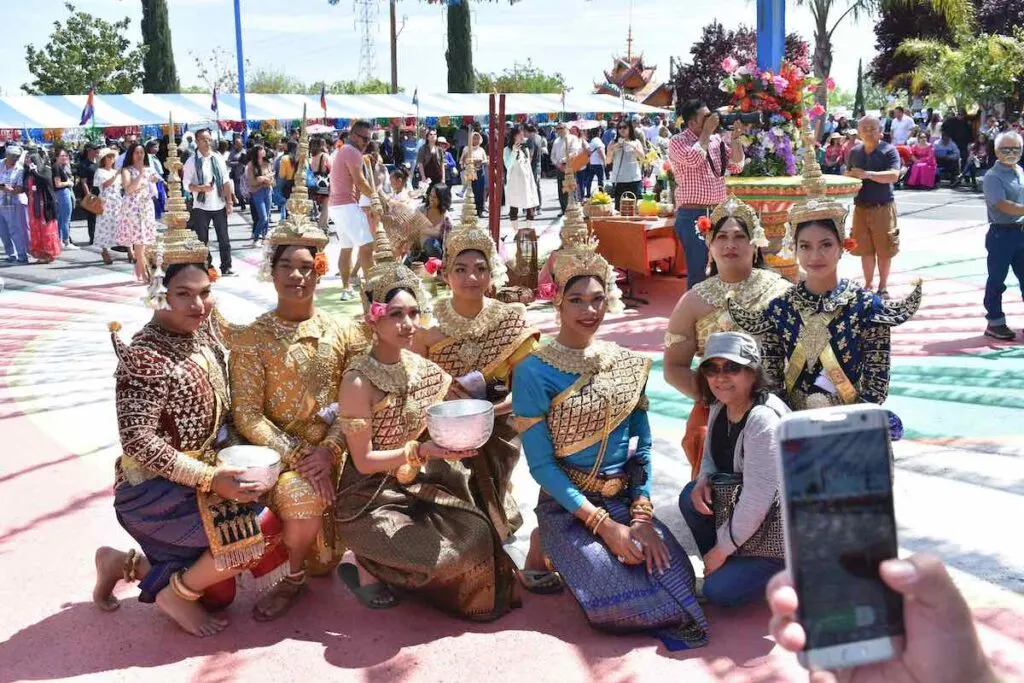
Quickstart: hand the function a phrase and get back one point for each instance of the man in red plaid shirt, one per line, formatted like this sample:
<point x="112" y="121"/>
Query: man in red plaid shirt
<point x="700" y="158"/>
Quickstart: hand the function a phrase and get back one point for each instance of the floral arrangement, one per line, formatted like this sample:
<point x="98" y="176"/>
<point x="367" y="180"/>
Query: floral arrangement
<point x="665" y="174"/>
<point x="601" y="197"/>
<point x="784" y="97"/>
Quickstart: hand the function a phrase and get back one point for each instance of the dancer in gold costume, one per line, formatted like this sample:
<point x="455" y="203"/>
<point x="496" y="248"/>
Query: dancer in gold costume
<point x="735" y="239"/>
<point x="478" y="341"/>
<point x="404" y="504"/>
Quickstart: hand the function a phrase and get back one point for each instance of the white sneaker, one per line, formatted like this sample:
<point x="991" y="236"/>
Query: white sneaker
<point x="70" y="246"/>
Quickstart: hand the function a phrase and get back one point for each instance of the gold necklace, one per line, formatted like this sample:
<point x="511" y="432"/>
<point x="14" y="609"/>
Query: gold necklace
<point x="593" y="359"/>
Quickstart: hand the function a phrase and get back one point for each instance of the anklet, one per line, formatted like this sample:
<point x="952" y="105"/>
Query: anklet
<point x="181" y="590"/>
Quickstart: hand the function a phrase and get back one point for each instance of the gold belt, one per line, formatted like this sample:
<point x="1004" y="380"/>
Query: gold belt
<point x="609" y="487"/>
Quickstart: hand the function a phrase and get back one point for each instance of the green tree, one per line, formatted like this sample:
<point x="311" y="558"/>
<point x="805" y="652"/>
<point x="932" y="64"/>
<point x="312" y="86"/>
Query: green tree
<point x="460" y="49"/>
<point x="82" y="52"/>
<point x="979" y="69"/>
<point x="272" y="81"/>
<point x="858" y="99"/>
<point x="521" y="78"/>
<point x="160" y="74"/>
<point x="374" y="86"/>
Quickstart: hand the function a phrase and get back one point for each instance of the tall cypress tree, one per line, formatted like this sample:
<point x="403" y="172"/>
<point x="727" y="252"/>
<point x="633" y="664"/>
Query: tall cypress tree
<point x="160" y="74"/>
<point x="858" y="99"/>
<point x="461" y="77"/>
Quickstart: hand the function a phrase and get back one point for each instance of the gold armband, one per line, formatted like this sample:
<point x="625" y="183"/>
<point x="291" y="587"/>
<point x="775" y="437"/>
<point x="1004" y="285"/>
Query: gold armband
<point x="673" y="339"/>
<point x="353" y="425"/>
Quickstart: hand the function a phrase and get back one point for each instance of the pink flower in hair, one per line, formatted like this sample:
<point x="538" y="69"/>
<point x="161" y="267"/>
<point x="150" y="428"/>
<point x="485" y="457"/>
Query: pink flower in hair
<point x="378" y="311"/>
<point x="546" y="291"/>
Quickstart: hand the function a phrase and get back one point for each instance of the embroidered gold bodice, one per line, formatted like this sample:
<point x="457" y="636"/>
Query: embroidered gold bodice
<point x="284" y="373"/>
<point x="172" y="399"/>
<point x="492" y="342"/>
<point x="752" y="294"/>
<point x="410" y="386"/>
<point x="610" y="386"/>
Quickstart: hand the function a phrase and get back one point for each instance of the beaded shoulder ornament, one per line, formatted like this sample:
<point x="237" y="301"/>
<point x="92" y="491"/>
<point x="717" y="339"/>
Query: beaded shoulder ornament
<point x="468" y="235"/>
<point x="296" y="230"/>
<point x="177" y="244"/>
<point x="578" y="256"/>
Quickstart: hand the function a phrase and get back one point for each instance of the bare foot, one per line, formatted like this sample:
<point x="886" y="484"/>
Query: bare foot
<point x="535" y="556"/>
<point x="109" y="570"/>
<point x="189" y="615"/>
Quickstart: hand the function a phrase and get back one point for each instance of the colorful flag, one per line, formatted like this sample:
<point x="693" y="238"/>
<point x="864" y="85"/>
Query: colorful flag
<point x="323" y="98"/>
<point x="89" y="110"/>
<point x="214" y="107"/>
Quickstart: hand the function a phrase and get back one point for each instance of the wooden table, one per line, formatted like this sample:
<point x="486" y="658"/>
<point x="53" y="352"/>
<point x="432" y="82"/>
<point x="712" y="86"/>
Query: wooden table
<point x="633" y="243"/>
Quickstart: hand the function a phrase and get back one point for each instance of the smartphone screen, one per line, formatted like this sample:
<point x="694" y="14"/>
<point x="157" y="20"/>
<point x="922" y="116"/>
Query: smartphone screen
<point x="841" y="527"/>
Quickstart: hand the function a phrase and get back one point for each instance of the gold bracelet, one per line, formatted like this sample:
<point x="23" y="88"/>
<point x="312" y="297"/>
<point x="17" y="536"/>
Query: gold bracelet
<point x="334" y="448"/>
<point x="641" y="508"/>
<point x="206" y="480"/>
<point x="600" y="520"/>
<point x="590" y="519"/>
<point x="412" y="455"/>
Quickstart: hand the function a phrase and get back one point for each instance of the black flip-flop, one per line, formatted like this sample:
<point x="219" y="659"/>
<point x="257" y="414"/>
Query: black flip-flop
<point x="541" y="582"/>
<point x="368" y="596"/>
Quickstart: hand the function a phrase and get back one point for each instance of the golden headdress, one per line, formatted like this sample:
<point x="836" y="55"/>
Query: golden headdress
<point x="296" y="230"/>
<point x="387" y="274"/>
<point x="469" y="235"/>
<point x="578" y="254"/>
<point x="817" y="206"/>
<point x="177" y="244"/>
<point x="734" y="207"/>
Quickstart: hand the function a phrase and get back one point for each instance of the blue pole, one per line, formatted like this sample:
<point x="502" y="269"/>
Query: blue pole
<point x="241" y="69"/>
<point x="771" y="34"/>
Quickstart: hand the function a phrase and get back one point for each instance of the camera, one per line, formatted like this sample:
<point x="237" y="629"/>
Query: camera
<point x="752" y="118"/>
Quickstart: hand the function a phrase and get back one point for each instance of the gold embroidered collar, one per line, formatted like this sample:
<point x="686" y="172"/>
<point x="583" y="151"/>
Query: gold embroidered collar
<point x="749" y="292"/>
<point x="391" y="378"/>
<point x="282" y="329"/>
<point x="809" y="303"/>
<point x="599" y="356"/>
<point x="459" y="327"/>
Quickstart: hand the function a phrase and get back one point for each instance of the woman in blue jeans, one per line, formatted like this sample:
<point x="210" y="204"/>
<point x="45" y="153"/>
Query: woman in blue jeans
<point x="742" y="440"/>
<point x="63" y="180"/>
<point x="260" y="174"/>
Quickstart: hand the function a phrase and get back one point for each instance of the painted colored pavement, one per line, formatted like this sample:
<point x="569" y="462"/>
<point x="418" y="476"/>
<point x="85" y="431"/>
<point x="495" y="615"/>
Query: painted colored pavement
<point x="960" y="482"/>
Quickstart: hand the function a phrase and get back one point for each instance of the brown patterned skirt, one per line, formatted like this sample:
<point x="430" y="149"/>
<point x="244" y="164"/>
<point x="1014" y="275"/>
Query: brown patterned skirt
<point x="491" y="478"/>
<point x="427" y="538"/>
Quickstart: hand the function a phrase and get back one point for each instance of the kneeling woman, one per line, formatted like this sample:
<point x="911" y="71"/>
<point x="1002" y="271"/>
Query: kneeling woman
<point x="577" y="404"/>
<point x="404" y="506"/>
<point x="193" y="519"/>
<point x="746" y="549"/>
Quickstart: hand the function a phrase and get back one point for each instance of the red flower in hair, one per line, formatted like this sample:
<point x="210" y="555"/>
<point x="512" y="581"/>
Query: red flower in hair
<point x="849" y="244"/>
<point x="432" y="265"/>
<point x="546" y="291"/>
<point x="704" y="225"/>
<point x="320" y="263"/>
<point x="211" y="272"/>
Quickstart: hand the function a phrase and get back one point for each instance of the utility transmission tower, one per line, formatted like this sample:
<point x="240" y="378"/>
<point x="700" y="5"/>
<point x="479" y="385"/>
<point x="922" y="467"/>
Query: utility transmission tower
<point x="366" y="12"/>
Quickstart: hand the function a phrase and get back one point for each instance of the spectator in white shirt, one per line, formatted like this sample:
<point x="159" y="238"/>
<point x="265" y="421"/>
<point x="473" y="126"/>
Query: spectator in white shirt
<point x="595" y="169"/>
<point x="205" y="175"/>
<point x="902" y="125"/>
<point x="559" y="158"/>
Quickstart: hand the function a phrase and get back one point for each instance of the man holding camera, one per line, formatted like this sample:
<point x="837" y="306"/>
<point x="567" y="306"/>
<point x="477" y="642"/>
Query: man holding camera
<point x="700" y="158"/>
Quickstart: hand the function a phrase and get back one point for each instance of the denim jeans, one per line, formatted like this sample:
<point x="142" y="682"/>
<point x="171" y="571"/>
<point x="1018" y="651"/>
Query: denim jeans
<point x="695" y="250"/>
<point x="1005" y="246"/>
<point x="65" y="204"/>
<point x="740" y="580"/>
<point x="261" y="205"/>
<point x="594" y="171"/>
<point x="480" y="192"/>
<point x="14" y="231"/>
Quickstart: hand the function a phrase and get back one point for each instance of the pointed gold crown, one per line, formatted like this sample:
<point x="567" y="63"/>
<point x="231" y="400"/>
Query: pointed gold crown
<point x="817" y="206"/>
<point x="180" y="245"/>
<point x="469" y="235"/>
<point x="578" y="255"/>
<point x="387" y="275"/>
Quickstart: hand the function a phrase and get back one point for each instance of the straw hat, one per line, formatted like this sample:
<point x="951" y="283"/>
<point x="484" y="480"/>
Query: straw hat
<point x="105" y="152"/>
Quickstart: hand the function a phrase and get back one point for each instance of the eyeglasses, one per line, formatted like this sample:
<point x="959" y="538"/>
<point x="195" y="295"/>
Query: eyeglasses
<point x="728" y="367"/>
<point x="1009" y="150"/>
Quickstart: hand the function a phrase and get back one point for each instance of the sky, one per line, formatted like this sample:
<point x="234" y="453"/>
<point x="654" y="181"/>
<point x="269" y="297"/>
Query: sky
<point x="314" y="41"/>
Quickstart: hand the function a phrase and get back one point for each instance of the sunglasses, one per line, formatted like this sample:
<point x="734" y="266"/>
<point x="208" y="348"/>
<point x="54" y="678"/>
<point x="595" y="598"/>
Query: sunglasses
<point x="728" y="367"/>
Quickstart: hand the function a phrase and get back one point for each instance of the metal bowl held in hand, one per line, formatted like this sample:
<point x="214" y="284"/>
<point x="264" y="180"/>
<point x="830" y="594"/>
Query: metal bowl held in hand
<point x="461" y="425"/>
<point x="261" y="464"/>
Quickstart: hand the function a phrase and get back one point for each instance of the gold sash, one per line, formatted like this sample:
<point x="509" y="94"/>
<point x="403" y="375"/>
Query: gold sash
<point x="815" y="336"/>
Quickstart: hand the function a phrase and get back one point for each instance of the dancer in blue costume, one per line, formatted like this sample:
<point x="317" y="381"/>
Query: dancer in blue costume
<point x="827" y="341"/>
<point x="577" y="403"/>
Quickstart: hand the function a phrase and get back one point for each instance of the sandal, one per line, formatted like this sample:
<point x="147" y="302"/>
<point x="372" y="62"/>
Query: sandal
<point x="374" y="596"/>
<point x="276" y="603"/>
<point x="540" y="581"/>
<point x="884" y="293"/>
<point x="106" y="258"/>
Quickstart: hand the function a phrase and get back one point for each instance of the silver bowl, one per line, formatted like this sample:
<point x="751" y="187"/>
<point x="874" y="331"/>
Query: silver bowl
<point x="461" y="425"/>
<point x="261" y="464"/>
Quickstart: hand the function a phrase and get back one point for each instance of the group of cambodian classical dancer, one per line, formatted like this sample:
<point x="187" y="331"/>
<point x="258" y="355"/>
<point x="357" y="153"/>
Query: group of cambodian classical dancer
<point x="366" y="494"/>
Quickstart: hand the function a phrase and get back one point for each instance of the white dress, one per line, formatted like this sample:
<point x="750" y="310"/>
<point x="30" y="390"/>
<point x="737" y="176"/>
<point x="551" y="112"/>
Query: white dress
<point x="106" y="222"/>
<point x="520" y="189"/>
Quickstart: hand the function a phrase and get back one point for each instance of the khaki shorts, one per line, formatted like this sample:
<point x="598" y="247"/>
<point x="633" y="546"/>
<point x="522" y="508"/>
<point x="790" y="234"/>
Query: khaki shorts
<point x="875" y="231"/>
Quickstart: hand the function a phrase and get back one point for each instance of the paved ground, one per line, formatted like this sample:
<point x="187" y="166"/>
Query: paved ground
<point x="960" y="478"/>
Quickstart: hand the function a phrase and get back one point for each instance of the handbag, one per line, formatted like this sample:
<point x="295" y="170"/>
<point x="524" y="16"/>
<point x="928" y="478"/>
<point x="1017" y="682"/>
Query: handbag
<point x="768" y="540"/>
<point x="323" y="180"/>
<point x="93" y="204"/>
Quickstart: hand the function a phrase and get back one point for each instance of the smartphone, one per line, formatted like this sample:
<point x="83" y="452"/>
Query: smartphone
<point x="839" y="525"/>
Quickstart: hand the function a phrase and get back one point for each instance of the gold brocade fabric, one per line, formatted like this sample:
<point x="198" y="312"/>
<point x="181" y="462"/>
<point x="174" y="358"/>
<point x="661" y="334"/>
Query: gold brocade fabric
<point x="167" y="391"/>
<point x="485" y="343"/>
<point x="752" y="294"/>
<point x="283" y="374"/>
<point x="611" y="383"/>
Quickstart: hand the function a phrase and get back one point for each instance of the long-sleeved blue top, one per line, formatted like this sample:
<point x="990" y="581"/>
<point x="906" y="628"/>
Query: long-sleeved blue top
<point x="535" y="385"/>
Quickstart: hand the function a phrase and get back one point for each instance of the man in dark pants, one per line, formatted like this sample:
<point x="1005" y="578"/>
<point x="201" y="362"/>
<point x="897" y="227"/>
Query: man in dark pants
<point x="536" y="145"/>
<point x="86" y="172"/>
<point x="1004" y="198"/>
<point x="563" y="149"/>
<point x="206" y="177"/>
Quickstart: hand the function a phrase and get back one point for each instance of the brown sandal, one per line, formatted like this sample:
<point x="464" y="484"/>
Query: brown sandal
<point x="106" y="258"/>
<point x="276" y="604"/>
